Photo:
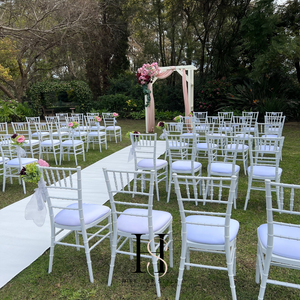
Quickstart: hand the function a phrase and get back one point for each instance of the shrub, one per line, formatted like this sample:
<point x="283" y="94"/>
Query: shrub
<point x="12" y="111"/>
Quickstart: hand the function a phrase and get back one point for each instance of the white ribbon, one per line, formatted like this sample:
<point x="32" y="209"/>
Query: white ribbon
<point x="163" y="135"/>
<point x="131" y="151"/>
<point x="20" y="151"/>
<point x="36" y="209"/>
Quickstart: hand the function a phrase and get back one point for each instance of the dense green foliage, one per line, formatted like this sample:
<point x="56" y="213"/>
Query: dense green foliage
<point x="12" y="111"/>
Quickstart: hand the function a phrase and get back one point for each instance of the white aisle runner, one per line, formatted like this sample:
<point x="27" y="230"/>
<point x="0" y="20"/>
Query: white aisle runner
<point x="22" y="242"/>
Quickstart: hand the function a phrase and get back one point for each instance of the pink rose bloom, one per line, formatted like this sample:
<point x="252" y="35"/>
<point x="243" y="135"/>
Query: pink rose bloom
<point x="217" y="92"/>
<point x="42" y="163"/>
<point x="70" y="124"/>
<point x="21" y="139"/>
<point x="98" y="119"/>
<point x="115" y="114"/>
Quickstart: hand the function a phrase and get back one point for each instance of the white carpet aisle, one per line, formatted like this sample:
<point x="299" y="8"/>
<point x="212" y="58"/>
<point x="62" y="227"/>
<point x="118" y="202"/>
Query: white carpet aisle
<point x="22" y="242"/>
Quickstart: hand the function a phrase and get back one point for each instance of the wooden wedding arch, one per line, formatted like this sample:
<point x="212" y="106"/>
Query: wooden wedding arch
<point x="187" y="87"/>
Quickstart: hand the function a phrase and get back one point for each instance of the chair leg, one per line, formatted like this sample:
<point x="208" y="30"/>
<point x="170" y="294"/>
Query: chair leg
<point x="113" y="257"/>
<point x="181" y="269"/>
<point x="169" y="189"/>
<point x="229" y="260"/>
<point x="88" y="256"/>
<point x="51" y="255"/>
<point x="155" y="269"/>
<point x="248" y="191"/>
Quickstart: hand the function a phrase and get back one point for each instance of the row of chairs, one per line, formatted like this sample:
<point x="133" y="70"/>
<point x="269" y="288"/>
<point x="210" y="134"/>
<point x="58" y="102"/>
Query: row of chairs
<point x="202" y="230"/>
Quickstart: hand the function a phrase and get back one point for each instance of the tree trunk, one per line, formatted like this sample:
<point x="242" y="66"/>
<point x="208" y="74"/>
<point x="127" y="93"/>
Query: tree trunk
<point x="6" y="92"/>
<point x="297" y="66"/>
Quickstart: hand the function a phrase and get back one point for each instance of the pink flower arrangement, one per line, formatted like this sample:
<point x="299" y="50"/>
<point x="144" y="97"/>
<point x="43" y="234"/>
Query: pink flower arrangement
<point x="160" y="125"/>
<point x="147" y="72"/>
<point x="42" y="163"/>
<point x="98" y="119"/>
<point x="17" y="140"/>
<point x="115" y="114"/>
<point x="73" y="125"/>
<point x="178" y="118"/>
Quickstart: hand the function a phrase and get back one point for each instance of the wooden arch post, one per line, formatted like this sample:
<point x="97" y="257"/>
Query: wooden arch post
<point x="190" y="86"/>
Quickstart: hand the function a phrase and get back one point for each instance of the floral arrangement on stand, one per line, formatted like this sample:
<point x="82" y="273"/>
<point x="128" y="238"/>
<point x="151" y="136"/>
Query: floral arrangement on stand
<point x="98" y="119"/>
<point x="178" y="118"/>
<point x="73" y="125"/>
<point x="145" y="75"/>
<point x="135" y="134"/>
<point x="191" y="114"/>
<point x="160" y="125"/>
<point x="32" y="173"/>
<point x="17" y="140"/>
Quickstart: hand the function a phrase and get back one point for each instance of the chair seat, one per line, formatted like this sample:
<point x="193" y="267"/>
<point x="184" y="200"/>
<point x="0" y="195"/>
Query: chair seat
<point x="203" y="146"/>
<point x="62" y="133"/>
<point x="91" y="213"/>
<point x="70" y="142"/>
<point x="264" y="171"/>
<point x="97" y="127"/>
<point x="77" y="134"/>
<point x="50" y="142"/>
<point x="190" y="134"/>
<point x="112" y="128"/>
<point x="139" y="225"/>
<point x="32" y="142"/>
<point x="5" y="159"/>
<point x="43" y="133"/>
<point x="184" y="166"/>
<point x="148" y="163"/>
<point x="95" y="133"/>
<point x="175" y="145"/>
<point x="239" y="148"/>
<point x="224" y="168"/>
<point x="245" y="136"/>
<point x="282" y="246"/>
<point x="206" y="234"/>
<point x="24" y="161"/>
<point x="270" y="136"/>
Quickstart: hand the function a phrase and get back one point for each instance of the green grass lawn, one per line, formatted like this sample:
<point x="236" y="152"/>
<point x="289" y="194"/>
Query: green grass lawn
<point x="69" y="278"/>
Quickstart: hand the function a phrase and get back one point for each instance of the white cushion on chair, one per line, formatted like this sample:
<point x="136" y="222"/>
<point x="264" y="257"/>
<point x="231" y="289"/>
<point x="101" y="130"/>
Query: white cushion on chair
<point x="148" y="163"/>
<point x="91" y="213"/>
<point x="233" y="146"/>
<point x="223" y="168"/>
<point x="95" y="133"/>
<point x="43" y="133"/>
<point x="33" y="142"/>
<point x="282" y="247"/>
<point x="49" y="142"/>
<point x="202" y="146"/>
<point x="206" y="234"/>
<point x="112" y="127"/>
<point x="184" y="165"/>
<point x="70" y="143"/>
<point x="138" y="225"/>
<point x="173" y="144"/>
<point x="5" y="159"/>
<point x="264" y="171"/>
<point x="24" y="161"/>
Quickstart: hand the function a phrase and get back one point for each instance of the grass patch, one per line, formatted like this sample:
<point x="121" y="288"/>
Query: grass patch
<point x="69" y="278"/>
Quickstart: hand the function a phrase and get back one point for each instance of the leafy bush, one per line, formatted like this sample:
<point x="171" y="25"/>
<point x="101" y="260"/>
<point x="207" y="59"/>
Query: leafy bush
<point x="12" y="111"/>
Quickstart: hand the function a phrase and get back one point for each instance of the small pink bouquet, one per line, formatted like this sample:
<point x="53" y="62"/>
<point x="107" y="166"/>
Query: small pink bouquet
<point x="115" y="115"/>
<point x="73" y="125"/>
<point x="98" y="119"/>
<point x="32" y="173"/>
<point x="17" y="140"/>
<point x="160" y="125"/>
<point x="178" y="118"/>
<point x="191" y="114"/>
<point x="135" y="134"/>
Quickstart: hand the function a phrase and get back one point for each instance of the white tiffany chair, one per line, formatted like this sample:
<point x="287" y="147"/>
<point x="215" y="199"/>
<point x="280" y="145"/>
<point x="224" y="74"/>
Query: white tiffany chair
<point x="144" y="155"/>
<point x="12" y="162"/>
<point x="64" y="193"/>
<point x="203" y="231"/>
<point x="43" y="133"/>
<point x="137" y="221"/>
<point x="74" y="145"/>
<point x="95" y="134"/>
<point x="4" y="129"/>
<point x="202" y="147"/>
<point x="279" y="241"/>
<point x="182" y="157"/>
<point x="81" y="131"/>
<point x="222" y="159"/>
<point x="63" y="118"/>
<point x="200" y="117"/>
<point x="92" y="124"/>
<point x="52" y="119"/>
<point x="274" y="113"/>
<point x="112" y="130"/>
<point x="51" y="145"/>
<point x="80" y="116"/>
<point x="265" y="154"/>
<point x="31" y="145"/>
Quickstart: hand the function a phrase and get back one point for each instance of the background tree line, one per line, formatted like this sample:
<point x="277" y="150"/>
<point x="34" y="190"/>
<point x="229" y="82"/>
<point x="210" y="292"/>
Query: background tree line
<point x="248" y="50"/>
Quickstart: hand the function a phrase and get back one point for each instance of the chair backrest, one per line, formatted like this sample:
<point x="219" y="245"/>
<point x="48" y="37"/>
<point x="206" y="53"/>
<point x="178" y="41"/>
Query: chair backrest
<point x="223" y="148"/>
<point x="227" y="116"/>
<point x="274" y="113"/>
<point x="200" y="116"/>
<point x="185" y="198"/>
<point x="119" y="183"/>
<point x="144" y="147"/>
<point x="181" y="147"/>
<point x="62" y="116"/>
<point x="275" y="119"/>
<point x="173" y="127"/>
<point x="289" y="199"/>
<point x="94" y="114"/>
<point x="22" y="128"/>
<point x="33" y="120"/>
<point x="265" y="129"/>
<point x="7" y="149"/>
<point x="253" y="114"/>
<point x="3" y="128"/>
<point x="52" y="119"/>
<point x="63" y="187"/>
<point x="109" y="119"/>
<point x="265" y="151"/>
<point x="80" y="116"/>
